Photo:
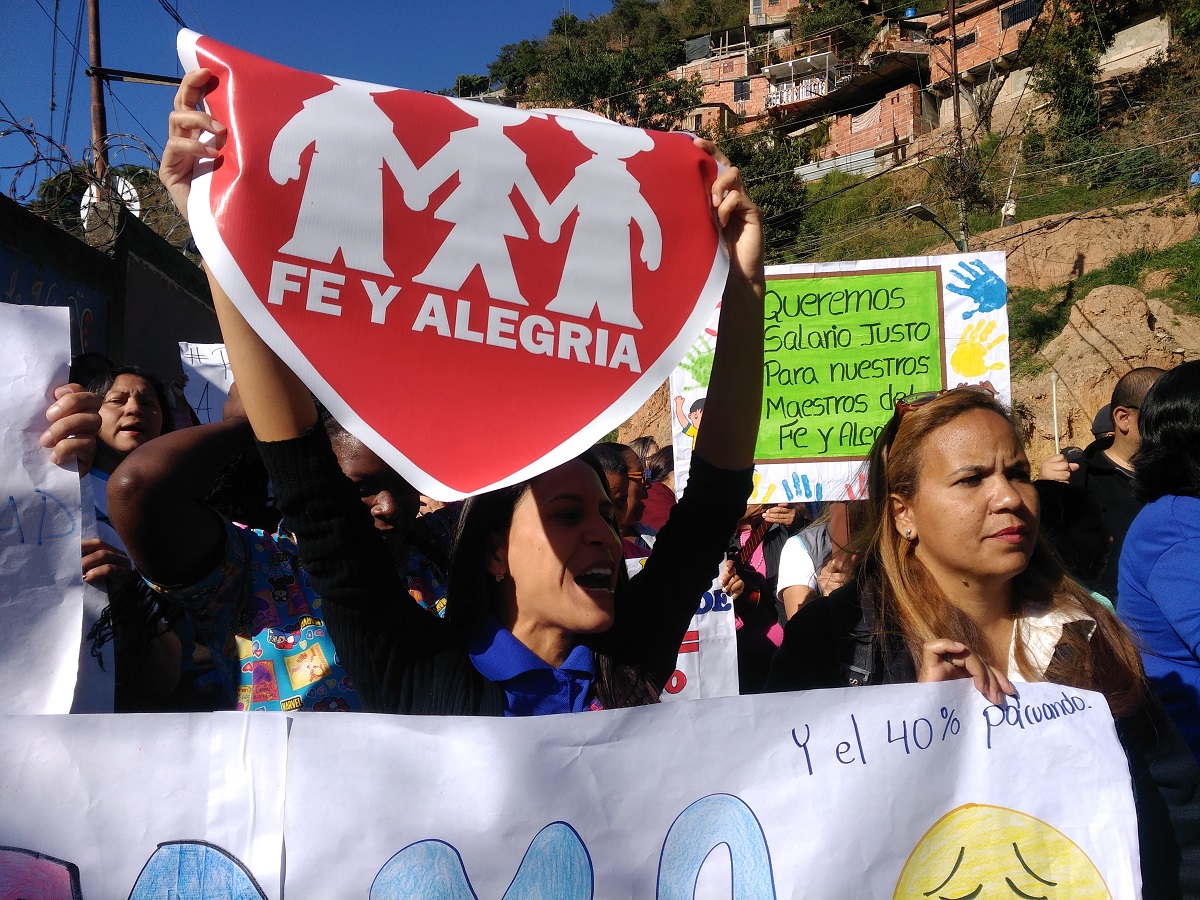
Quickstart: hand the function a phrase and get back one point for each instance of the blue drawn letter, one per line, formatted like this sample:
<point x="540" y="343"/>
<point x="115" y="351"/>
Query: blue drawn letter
<point x="196" y="870"/>
<point x="556" y="865"/>
<point x="705" y="825"/>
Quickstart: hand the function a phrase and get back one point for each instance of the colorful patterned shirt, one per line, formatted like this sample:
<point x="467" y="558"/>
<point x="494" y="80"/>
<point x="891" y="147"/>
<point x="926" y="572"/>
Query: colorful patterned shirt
<point x="261" y="618"/>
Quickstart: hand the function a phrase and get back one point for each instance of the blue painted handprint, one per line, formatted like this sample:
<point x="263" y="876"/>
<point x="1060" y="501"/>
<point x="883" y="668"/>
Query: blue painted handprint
<point x="980" y="284"/>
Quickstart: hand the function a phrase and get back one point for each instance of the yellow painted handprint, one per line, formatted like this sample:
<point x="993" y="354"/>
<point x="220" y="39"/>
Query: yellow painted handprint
<point x="769" y="488"/>
<point x="970" y="356"/>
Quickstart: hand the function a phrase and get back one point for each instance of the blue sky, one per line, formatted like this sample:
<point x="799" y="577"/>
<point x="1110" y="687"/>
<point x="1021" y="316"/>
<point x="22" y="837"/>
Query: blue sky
<point x="417" y="45"/>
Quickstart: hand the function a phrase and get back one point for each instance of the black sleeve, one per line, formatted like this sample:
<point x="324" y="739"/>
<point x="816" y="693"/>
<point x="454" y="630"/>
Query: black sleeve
<point x="807" y="658"/>
<point x="654" y="608"/>
<point x="377" y="629"/>
<point x="1166" y="791"/>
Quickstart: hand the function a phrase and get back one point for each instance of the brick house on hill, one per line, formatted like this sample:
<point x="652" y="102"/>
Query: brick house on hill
<point x="879" y="105"/>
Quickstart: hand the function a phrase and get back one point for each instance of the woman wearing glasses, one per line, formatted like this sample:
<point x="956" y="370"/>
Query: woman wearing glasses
<point x="952" y="581"/>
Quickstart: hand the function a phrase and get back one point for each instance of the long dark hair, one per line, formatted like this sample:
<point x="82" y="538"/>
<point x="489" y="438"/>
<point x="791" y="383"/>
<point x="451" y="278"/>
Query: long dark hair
<point x="1168" y="459"/>
<point x="473" y="595"/>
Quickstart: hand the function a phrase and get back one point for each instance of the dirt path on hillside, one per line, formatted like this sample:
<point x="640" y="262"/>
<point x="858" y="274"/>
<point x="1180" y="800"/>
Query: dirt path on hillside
<point x="1054" y="249"/>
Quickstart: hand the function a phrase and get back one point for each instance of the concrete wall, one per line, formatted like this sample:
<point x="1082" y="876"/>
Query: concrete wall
<point x="1136" y="46"/>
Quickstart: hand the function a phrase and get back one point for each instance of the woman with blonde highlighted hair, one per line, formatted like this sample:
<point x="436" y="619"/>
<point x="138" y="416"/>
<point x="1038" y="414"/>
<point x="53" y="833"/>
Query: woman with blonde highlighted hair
<point x="953" y="581"/>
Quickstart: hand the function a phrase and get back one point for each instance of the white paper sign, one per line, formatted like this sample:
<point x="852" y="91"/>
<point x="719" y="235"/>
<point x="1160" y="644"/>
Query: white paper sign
<point x="98" y="795"/>
<point x="208" y="379"/>
<point x="41" y="581"/>
<point x="817" y="794"/>
<point x="707" y="665"/>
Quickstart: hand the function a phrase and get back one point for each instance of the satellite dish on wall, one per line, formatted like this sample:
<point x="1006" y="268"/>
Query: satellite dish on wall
<point x="123" y="190"/>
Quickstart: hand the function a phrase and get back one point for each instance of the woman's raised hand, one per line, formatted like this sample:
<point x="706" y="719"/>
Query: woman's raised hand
<point x="946" y="660"/>
<point x="74" y="419"/>
<point x="184" y="146"/>
<point x="741" y="222"/>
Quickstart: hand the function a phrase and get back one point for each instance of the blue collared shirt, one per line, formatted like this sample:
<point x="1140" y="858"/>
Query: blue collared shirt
<point x="532" y="687"/>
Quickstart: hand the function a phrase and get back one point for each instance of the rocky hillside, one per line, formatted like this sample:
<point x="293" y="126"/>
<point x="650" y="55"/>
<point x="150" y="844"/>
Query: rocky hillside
<point x="1111" y="330"/>
<point x="1050" y="251"/>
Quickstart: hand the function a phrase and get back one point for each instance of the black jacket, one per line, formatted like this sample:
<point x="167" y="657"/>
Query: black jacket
<point x="1111" y="487"/>
<point x="404" y="660"/>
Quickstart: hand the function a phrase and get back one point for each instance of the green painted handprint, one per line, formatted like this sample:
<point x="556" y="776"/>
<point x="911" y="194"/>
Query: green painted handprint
<point x="698" y="363"/>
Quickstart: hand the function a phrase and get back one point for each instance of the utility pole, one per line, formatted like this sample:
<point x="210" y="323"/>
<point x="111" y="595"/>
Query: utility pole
<point x="99" y="118"/>
<point x="959" y="150"/>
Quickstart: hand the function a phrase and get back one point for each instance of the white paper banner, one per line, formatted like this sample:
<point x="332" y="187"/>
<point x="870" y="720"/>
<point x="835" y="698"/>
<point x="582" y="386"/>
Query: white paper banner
<point x="41" y="581"/>
<point x="819" y="794"/>
<point x="100" y="794"/>
<point x="905" y="790"/>
<point x="208" y="379"/>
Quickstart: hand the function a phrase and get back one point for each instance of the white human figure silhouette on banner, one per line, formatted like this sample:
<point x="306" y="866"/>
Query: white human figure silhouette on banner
<point x="342" y="208"/>
<point x="489" y="165"/>
<point x="608" y="198"/>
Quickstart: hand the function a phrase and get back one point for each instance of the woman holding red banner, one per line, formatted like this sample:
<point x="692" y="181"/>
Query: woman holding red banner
<point x="541" y="617"/>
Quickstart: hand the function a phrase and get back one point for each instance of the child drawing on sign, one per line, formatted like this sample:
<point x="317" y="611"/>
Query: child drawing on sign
<point x="1001" y="850"/>
<point x="691" y="422"/>
<point x="600" y="185"/>
<point x="489" y="166"/>
<point x="556" y="864"/>
<point x="970" y="355"/>
<point x="195" y="869"/>
<point x="342" y="207"/>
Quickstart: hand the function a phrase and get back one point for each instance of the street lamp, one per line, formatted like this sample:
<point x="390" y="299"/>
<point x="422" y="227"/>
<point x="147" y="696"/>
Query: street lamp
<point x="925" y="214"/>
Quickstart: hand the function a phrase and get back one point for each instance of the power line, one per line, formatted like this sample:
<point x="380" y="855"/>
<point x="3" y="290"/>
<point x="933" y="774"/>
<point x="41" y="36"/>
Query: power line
<point x="74" y="72"/>
<point x="172" y="13"/>
<point x="1089" y="159"/>
<point x="203" y="27"/>
<point x="74" y="46"/>
<point x="53" y="63"/>
<point x="152" y="142"/>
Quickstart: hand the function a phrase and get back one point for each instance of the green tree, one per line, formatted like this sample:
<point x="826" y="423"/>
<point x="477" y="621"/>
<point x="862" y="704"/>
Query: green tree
<point x="468" y="86"/>
<point x="852" y="31"/>
<point x="1067" y="45"/>
<point x="767" y="162"/>
<point x="515" y="66"/>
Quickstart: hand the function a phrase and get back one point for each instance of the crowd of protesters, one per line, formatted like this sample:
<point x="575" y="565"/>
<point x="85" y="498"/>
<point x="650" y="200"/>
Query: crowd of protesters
<point x="361" y="595"/>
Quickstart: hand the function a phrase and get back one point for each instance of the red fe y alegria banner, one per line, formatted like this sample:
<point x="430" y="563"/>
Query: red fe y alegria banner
<point x="477" y="292"/>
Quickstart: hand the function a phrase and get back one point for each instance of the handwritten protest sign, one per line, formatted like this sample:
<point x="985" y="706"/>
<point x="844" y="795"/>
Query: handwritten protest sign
<point x="839" y="350"/>
<point x="892" y="791"/>
<point x="99" y="794"/>
<point x="41" y="582"/>
<point x="842" y="343"/>
<point x="549" y="258"/>
<point x="208" y="379"/>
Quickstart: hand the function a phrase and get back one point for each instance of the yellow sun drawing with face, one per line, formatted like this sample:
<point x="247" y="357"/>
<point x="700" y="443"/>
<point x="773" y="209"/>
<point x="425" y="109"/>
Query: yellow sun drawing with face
<point x="978" y="852"/>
